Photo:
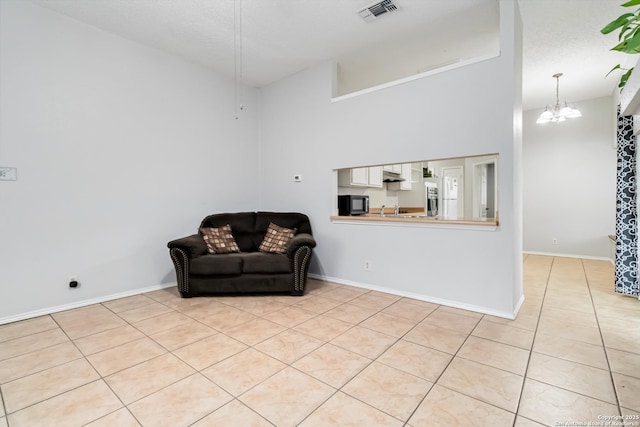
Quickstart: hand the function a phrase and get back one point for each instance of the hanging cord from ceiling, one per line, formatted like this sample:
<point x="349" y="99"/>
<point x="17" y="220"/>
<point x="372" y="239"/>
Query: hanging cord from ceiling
<point x="238" y="97"/>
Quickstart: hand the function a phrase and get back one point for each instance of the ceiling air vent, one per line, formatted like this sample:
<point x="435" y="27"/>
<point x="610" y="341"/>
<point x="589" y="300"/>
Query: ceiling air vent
<point x="371" y="13"/>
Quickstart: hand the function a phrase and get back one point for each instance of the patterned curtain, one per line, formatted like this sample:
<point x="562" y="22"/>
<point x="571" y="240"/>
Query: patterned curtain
<point x="626" y="265"/>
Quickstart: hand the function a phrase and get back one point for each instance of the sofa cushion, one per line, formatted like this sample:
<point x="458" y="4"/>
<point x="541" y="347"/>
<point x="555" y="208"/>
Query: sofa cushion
<point x="276" y="238"/>
<point x="260" y="262"/>
<point x="243" y="227"/>
<point x="219" y="240"/>
<point x="217" y="264"/>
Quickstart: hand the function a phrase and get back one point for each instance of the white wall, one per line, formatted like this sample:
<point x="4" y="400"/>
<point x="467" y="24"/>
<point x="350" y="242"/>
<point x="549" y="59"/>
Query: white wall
<point x="441" y="116"/>
<point x="119" y="149"/>
<point x="569" y="182"/>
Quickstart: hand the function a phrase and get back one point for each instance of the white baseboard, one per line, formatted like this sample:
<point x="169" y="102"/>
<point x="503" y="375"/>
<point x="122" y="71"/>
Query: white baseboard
<point x="83" y="303"/>
<point x="421" y="297"/>
<point x="517" y="310"/>
<point x="596" y="258"/>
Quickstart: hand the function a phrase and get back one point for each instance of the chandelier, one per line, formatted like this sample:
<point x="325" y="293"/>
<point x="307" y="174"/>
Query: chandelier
<point x="560" y="111"/>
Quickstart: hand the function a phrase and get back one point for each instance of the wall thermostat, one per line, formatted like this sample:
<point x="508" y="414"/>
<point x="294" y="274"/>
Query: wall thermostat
<point x="8" y="174"/>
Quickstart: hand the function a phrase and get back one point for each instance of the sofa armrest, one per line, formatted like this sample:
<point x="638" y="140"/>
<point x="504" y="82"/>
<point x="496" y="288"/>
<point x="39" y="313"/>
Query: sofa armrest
<point x="194" y="245"/>
<point x="299" y="240"/>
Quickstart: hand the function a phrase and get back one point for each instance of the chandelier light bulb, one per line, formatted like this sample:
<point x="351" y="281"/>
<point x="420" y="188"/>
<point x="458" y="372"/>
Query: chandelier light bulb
<point x="546" y="116"/>
<point x="574" y="113"/>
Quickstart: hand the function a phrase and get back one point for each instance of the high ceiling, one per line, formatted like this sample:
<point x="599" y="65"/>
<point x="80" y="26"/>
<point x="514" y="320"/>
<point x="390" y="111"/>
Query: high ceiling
<point x="564" y="36"/>
<point x="282" y="37"/>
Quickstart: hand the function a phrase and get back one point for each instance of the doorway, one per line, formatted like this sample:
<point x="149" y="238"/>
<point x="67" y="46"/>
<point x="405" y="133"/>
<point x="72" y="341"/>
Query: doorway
<point x="484" y="193"/>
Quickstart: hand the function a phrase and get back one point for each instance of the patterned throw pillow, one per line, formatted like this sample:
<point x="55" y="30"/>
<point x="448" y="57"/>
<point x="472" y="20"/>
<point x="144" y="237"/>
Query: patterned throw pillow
<point x="219" y="240"/>
<point x="276" y="239"/>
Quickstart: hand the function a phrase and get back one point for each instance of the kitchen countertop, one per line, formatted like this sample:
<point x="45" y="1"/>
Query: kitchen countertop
<point x="388" y="210"/>
<point x="405" y="218"/>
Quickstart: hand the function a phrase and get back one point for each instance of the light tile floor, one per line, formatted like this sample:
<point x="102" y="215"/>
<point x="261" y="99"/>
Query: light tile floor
<point x="339" y="356"/>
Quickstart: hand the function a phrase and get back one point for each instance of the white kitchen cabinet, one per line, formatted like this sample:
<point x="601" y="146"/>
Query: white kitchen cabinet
<point x="375" y="176"/>
<point x="360" y="177"/>
<point x="405" y="173"/>
<point x="393" y="168"/>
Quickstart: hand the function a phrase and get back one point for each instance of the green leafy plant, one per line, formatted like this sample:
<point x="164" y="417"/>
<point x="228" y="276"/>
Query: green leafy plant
<point x="624" y="77"/>
<point x="629" y="37"/>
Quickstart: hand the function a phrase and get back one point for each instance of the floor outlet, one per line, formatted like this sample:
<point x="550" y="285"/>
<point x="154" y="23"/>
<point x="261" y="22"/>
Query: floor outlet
<point x="367" y="266"/>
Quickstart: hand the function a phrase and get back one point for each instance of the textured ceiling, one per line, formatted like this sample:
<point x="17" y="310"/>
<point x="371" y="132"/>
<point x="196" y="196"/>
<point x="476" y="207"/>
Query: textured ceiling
<point x="564" y="36"/>
<point x="282" y="37"/>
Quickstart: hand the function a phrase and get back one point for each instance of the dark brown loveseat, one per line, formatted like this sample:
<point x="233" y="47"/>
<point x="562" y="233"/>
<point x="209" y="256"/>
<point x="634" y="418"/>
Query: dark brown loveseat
<point x="250" y="270"/>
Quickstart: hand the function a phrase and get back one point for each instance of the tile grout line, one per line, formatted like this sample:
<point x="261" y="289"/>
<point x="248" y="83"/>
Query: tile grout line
<point x="83" y="357"/>
<point x="375" y="359"/>
<point x="4" y="407"/>
<point x="287" y="365"/>
<point x="101" y="377"/>
<point x="580" y="363"/>
<point x="453" y="356"/>
<point x="604" y="347"/>
<point x="168" y="351"/>
<point x="338" y="390"/>
<point x="378" y="356"/>
<point x="438" y="379"/>
<point x="535" y="334"/>
<point x="328" y="342"/>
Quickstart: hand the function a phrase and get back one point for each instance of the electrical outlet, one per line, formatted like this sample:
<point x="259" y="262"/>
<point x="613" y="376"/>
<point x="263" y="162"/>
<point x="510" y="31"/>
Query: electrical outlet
<point x="554" y="241"/>
<point x="367" y="266"/>
<point x="73" y="281"/>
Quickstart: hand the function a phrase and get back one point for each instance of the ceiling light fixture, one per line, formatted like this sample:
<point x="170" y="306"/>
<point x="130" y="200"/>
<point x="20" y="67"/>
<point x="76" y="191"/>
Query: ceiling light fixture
<point x="559" y="112"/>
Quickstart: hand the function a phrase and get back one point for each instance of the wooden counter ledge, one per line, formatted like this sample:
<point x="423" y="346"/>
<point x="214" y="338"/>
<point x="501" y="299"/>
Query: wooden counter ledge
<point x="404" y="218"/>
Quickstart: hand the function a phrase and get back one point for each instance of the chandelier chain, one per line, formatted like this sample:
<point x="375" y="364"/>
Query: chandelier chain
<point x="238" y="97"/>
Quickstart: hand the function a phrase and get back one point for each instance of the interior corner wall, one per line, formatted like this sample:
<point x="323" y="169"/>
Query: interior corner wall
<point x="119" y="148"/>
<point x="440" y="116"/>
<point x="570" y="182"/>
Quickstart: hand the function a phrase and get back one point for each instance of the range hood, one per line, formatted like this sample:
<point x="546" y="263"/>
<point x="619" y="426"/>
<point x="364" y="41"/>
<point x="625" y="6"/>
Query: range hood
<point x="388" y="176"/>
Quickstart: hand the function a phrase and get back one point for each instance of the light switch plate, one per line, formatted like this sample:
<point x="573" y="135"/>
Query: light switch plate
<point x="8" y="174"/>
